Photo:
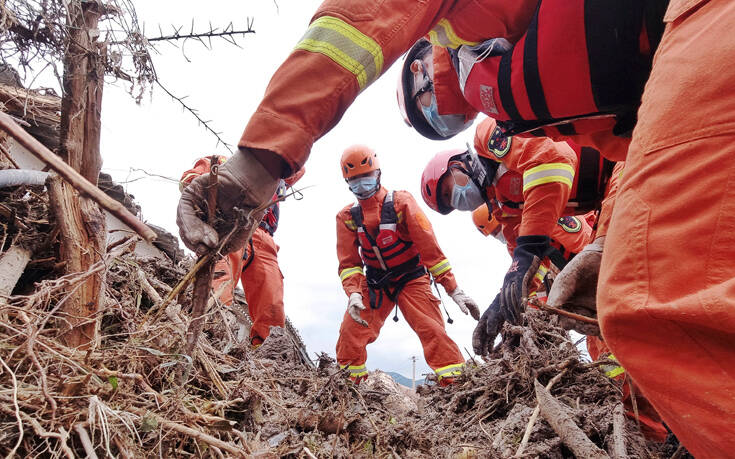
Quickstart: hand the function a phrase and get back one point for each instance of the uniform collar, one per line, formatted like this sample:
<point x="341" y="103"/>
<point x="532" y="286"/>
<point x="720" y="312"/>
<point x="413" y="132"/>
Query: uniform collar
<point x="375" y="200"/>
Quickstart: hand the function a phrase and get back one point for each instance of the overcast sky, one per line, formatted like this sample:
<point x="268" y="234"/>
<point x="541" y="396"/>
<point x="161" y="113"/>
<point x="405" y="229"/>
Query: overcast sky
<point x="226" y="85"/>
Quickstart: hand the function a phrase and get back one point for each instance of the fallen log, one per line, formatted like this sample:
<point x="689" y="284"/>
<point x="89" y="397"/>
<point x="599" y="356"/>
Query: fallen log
<point x="570" y="434"/>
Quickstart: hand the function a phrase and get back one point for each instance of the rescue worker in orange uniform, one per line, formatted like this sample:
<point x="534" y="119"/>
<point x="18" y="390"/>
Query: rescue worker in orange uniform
<point x="255" y="265"/>
<point x="315" y="85"/>
<point x="464" y="180"/>
<point x="390" y="237"/>
<point x="599" y="51"/>
<point x="533" y="180"/>
<point x="348" y="45"/>
<point x="674" y="329"/>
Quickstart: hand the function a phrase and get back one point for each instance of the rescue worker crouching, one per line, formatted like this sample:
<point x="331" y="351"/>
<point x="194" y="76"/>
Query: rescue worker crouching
<point x="387" y="255"/>
<point x="533" y="182"/>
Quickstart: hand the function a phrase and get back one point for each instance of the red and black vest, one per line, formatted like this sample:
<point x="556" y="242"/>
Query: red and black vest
<point x="581" y="67"/>
<point x="396" y="254"/>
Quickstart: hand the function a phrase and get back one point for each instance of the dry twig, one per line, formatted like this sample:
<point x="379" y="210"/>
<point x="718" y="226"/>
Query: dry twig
<point x="545" y="307"/>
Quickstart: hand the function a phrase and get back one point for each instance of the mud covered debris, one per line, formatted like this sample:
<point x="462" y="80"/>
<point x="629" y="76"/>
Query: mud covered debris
<point x="124" y="398"/>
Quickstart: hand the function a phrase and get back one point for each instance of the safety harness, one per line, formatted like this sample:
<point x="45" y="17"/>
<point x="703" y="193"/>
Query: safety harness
<point x="390" y="261"/>
<point x="580" y="67"/>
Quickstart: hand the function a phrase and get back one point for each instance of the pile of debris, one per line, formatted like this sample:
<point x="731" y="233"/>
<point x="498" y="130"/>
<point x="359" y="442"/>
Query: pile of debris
<point x="135" y="394"/>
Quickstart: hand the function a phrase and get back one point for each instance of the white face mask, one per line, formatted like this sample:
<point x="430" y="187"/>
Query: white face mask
<point x="466" y="197"/>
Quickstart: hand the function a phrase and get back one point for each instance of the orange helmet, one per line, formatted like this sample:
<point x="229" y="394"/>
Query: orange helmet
<point x="358" y="160"/>
<point x="485" y="222"/>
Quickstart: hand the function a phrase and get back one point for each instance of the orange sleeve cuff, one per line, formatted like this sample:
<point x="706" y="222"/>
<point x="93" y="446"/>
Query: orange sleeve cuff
<point x="353" y="284"/>
<point x="447" y="281"/>
<point x="266" y="131"/>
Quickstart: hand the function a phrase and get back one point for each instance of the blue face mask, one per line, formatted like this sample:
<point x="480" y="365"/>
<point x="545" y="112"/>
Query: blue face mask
<point x="466" y="197"/>
<point x="444" y="125"/>
<point x="364" y="187"/>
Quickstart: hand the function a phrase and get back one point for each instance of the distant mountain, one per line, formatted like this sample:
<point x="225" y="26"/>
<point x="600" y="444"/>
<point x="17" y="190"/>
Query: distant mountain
<point x="402" y="380"/>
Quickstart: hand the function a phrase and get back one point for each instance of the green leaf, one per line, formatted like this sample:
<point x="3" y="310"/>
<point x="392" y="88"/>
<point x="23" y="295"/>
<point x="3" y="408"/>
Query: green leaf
<point x="113" y="381"/>
<point x="148" y="423"/>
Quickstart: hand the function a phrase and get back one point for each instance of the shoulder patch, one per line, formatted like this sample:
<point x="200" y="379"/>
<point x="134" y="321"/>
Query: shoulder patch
<point x="570" y="224"/>
<point x="499" y="144"/>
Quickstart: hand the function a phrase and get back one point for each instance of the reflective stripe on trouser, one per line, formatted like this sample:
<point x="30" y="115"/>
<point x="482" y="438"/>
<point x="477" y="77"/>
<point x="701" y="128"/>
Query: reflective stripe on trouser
<point x="612" y="370"/>
<point x="263" y="285"/>
<point x="420" y="309"/>
<point x="449" y="371"/>
<point x="356" y="371"/>
<point x="666" y="295"/>
<point x="226" y="275"/>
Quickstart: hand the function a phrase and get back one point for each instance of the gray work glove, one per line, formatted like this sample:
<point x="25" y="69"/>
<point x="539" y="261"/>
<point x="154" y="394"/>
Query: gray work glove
<point x="575" y="288"/>
<point x="483" y="338"/>
<point x="466" y="304"/>
<point x="243" y="183"/>
<point x="354" y="307"/>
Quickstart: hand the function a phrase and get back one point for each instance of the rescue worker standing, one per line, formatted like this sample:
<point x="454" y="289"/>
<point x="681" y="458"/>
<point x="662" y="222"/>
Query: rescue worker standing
<point x="387" y="251"/>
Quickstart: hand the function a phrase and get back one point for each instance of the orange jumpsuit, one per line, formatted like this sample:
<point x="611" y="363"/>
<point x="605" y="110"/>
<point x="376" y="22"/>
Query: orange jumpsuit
<point x="416" y="302"/>
<point x="259" y="272"/>
<point x="348" y="45"/>
<point x="666" y="298"/>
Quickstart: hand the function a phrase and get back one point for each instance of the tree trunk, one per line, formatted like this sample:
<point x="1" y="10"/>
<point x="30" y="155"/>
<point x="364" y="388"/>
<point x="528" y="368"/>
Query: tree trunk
<point x="81" y="223"/>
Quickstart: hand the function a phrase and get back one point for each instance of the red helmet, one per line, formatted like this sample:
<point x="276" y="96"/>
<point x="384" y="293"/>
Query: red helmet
<point x="433" y="173"/>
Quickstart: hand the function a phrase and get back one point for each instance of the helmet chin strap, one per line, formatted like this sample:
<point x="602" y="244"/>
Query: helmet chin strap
<point x="477" y="170"/>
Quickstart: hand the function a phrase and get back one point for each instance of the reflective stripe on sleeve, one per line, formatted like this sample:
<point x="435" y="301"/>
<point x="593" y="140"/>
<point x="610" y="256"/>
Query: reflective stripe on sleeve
<point x="440" y="268"/>
<point x="444" y="35"/>
<point x="350" y="272"/>
<point x="449" y="371"/>
<point x="548" y="173"/>
<point x="345" y="45"/>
